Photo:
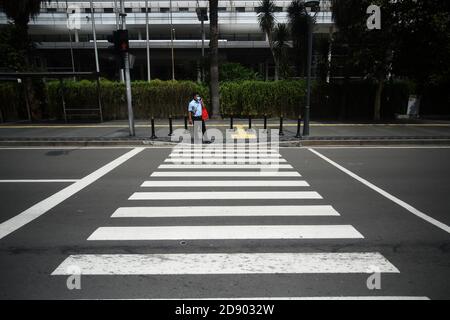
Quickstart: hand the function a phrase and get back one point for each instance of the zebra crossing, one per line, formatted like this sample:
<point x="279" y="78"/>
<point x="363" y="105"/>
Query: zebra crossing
<point x="257" y="170"/>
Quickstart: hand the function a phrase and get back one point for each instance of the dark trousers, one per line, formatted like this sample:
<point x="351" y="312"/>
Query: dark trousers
<point x="197" y="119"/>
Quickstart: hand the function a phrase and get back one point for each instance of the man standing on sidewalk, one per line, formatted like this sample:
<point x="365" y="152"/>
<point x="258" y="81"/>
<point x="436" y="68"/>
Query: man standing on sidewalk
<point x="195" y="114"/>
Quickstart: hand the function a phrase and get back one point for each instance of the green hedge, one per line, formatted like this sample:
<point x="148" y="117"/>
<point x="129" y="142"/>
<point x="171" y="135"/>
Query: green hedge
<point x="164" y="98"/>
<point x="353" y="100"/>
<point x="157" y="98"/>
<point x="12" y="102"/>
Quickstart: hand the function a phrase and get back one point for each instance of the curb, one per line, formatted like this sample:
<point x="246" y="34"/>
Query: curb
<point x="292" y="143"/>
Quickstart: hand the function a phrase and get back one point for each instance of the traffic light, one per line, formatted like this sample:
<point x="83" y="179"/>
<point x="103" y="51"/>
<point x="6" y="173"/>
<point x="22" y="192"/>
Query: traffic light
<point x="120" y="40"/>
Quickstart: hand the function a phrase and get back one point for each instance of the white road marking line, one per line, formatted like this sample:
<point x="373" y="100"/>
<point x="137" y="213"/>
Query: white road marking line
<point x="38" y="180"/>
<point x="382" y="147"/>
<point x="224" y="166"/>
<point x="387" y="195"/>
<point x="225" y="174"/>
<point x="222" y="263"/>
<point x="226" y="183"/>
<point x="65" y="148"/>
<point x="225" y="160"/>
<point x="212" y="195"/>
<point x="297" y="298"/>
<point x="45" y="205"/>
<point x="236" y="232"/>
<point x="221" y="211"/>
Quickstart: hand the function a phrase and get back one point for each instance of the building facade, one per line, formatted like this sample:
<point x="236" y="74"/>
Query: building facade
<point x="64" y="29"/>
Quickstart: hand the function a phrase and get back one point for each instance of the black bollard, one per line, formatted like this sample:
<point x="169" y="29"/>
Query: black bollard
<point x="153" y="129"/>
<point x="185" y="122"/>
<point x="170" y="126"/>
<point x="249" y="122"/>
<point x="265" y="121"/>
<point x="299" y="125"/>
<point x="281" y="133"/>
<point x="231" y="122"/>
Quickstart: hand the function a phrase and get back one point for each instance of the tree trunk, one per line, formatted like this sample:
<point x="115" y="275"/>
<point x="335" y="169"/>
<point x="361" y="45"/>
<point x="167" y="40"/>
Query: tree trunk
<point x="214" y="57"/>
<point x="34" y="107"/>
<point x="377" y="105"/>
<point x="269" y="37"/>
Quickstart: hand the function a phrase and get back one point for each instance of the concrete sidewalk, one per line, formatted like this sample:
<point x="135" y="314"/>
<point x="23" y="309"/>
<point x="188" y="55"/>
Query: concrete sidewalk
<point x="117" y="132"/>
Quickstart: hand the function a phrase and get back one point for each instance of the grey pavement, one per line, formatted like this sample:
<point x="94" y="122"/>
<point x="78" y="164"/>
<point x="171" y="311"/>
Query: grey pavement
<point x="418" y="249"/>
<point x="118" y="130"/>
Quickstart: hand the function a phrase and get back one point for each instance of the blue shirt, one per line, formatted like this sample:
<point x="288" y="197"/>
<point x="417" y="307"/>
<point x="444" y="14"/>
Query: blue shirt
<point x="195" y="107"/>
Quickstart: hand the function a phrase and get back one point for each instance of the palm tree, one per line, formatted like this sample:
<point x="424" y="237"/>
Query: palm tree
<point x="214" y="57"/>
<point x="266" y="20"/>
<point x="280" y="40"/>
<point x="21" y="12"/>
<point x="299" y="23"/>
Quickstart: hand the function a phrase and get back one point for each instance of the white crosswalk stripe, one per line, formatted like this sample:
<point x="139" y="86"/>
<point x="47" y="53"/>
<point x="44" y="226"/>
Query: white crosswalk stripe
<point x="225" y="173"/>
<point x="231" y="263"/>
<point x="225" y="183"/>
<point x="223" y="211"/>
<point x="225" y="160"/>
<point x="211" y="195"/>
<point x="224" y="166"/>
<point x="226" y="232"/>
<point x="260" y="169"/>
<point x="225" y="155"/>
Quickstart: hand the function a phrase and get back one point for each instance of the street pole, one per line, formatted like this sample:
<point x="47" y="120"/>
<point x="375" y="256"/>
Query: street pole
<point x="70" y="40"/>
<point x="97" y="66"/>
<point x="203" y="50"/>
<point x="126" y="59"/>
<point x="147" y="41"/>
<point x="308" y="86"/>
<point x="171" y="41"/>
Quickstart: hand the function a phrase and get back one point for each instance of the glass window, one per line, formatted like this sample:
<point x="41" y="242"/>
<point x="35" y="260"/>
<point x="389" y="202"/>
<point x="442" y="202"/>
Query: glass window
<point x="108" y="10"/>
<point x="183" y="9"/>
<point x="240" y="9"/>
<point x="221" y="9"/>
<point x="128" y="10"/>
<point x="164" y="10"/>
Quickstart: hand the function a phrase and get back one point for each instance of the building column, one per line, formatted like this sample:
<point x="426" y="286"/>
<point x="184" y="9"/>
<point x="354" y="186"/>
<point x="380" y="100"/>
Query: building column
<point x="199" y="72"/>
<point x="330" y="49"/>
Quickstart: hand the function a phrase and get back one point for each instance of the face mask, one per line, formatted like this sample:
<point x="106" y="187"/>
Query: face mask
<point x="198" y="98"/>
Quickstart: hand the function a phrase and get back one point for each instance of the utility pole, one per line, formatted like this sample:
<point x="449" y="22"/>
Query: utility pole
<point x="202" y="15"/>
<point x="126" y="59"/>
<point x="314" y="7"/>
<point x="147" y="41"/>
<point x="70" y="39"/>
<point x="171" y="41"/>
<point x="117" y="12"/>
<point x="97" y="66"/>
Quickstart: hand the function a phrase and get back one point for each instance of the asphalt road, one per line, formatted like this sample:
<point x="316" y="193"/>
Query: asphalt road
<point x="48" y="226"/>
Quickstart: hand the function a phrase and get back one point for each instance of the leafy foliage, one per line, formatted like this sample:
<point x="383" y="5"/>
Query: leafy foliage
<point x="236" y="72"/>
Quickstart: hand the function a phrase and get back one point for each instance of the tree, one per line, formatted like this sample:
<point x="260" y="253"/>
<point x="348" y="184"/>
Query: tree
<point x="298" y="20"/>
<point x="370" y="50"/>
<point x="214" y="57"/>
<point x="281" y="37"/>
<point x="413" y="42"/>
<point x="424" y="47"/>
<point x="20" y="12"/>
<point x="266" y="20"/>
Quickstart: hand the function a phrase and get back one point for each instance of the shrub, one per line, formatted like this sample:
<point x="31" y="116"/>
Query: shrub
<point x="257" y="98"/>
